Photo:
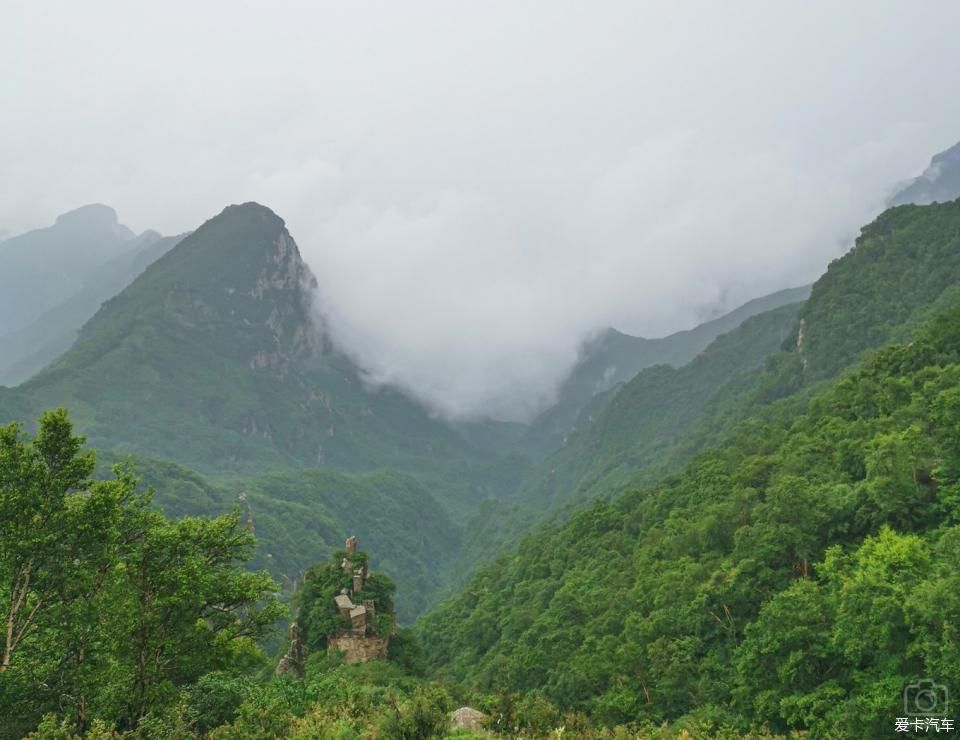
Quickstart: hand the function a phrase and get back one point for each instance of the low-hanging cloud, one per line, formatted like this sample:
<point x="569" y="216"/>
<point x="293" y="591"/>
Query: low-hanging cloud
<point x="479" y="187"/>
<point x="479" y="303"/>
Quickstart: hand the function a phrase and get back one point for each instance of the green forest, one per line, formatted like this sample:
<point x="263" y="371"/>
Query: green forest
<point x="479" y="370"/>
<point x="797" y="576"/>
<point x="759" y="543"/>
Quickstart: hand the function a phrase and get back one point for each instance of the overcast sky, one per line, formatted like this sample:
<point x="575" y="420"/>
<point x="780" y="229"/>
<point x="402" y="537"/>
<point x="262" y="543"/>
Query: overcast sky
<point x="479" y="185"/>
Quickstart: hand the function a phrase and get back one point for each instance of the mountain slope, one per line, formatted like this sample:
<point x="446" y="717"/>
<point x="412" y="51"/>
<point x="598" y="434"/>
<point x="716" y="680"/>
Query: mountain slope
<point x="31" y="348"/>
<point x="300" y="517"/>
<point x="903" y="269"/>
<point x="43" y="267"/>
<point x="212" y="358"/>
<point x="826" y="535"/>
<point x="940" y="182"/>
<point x="648" y="416"/>
<point x="613" y="358"/>
<point x="904" y="266"/>
<point x="642" y="430"/>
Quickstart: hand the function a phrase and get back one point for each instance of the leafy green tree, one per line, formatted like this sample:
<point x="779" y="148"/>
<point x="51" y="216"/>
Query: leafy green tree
<point x="60" y="538"/>
<point x="190" y="608"/>
<point x="109" y="607"/>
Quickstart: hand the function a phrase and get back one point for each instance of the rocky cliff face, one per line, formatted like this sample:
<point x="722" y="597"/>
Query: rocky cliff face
<point x="240" y="280"/>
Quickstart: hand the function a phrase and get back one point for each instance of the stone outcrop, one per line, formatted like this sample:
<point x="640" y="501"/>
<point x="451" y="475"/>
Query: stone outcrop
<point x="467" y="718"/>
<point x="293" y="662"/>
<point x="361" y="641"/>
<point x="358" y="649"/>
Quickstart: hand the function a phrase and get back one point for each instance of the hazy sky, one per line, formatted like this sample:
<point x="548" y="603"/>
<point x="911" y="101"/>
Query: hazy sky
<point x="478" y="185"/>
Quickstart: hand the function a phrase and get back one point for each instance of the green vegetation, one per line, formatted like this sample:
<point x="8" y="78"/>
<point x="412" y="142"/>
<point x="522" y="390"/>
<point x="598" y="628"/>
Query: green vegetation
<point x="768" y="546"/>
<point x="650" y="427"/>
<point x="799" y="575"/>
<point x="318" y="617"/>
<point x="299" y="517"/>
<point x="304" y="514"/>
<point x="110" y="608"/>
<point x="614" y="358"/>
<point x="904" y="268"/>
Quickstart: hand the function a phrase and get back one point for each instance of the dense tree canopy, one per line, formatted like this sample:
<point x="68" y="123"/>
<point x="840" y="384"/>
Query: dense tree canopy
<point x="800" y="575"/>
<point x="110" y="607"/>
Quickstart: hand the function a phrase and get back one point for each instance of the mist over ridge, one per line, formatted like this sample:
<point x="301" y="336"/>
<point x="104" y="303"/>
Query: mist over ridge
<point x="472" y="217"/>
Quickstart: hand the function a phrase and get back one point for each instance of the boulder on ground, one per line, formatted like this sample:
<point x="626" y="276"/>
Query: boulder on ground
<point x="467" y="718"/>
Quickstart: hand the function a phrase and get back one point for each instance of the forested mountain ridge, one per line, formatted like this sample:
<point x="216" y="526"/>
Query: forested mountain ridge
<point x="299" y="517"/>
<point x="904" y="267"/>
<point x="214" y="358"/>
<point x="651" y="412"/>
<point x="612" y="358"/>
<point x="643" y="430"/>
<point x="833" y="532"/>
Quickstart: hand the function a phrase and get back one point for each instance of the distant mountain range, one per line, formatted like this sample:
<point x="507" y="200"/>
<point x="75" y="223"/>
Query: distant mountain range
<point x="202" y="357"/>
<point x="214" y="334"/>
<point x="613" y="358"/>
<point x="42" y="268"/>
<point x="214" y="358"/>
<point x="57" y="279"/>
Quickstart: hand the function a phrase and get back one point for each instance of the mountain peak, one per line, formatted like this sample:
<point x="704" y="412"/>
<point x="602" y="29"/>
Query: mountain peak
<point x="236" y="284"/>
<point x="250" y="208"/>
<point x="93" y="214"/>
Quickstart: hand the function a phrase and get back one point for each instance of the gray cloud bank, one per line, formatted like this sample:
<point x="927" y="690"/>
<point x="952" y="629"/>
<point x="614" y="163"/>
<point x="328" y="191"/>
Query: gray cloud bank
<point x="479" y="186"/>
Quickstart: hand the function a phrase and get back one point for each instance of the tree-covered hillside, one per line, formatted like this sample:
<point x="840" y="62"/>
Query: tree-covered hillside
<point x="801" y="574"/>
<point x="648" y="415"/>
<point x="904" y="268"/>
<point x="647" y="428"/>
<point x="299" y="517"/>
<point x="213" y="358"/>
<point x="613" y="358"/>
